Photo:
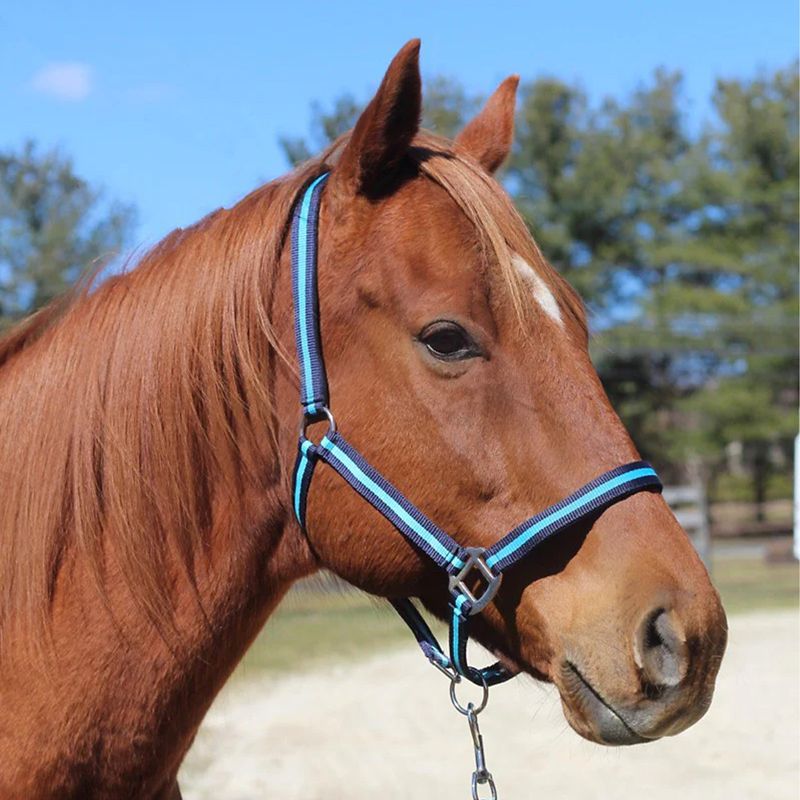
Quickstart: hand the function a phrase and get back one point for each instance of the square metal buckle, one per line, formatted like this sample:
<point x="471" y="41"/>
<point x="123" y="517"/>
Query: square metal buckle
<point x="458" y="586"/>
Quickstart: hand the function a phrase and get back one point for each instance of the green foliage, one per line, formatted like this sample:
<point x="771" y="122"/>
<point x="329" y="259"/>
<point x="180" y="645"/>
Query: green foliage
<point x="685" y="248"/>
<point x="729" y="294"/>
<point x="316" y="626"/>
<point x="326" y="126"/>
<point x="53" y="226"/>
<point x="683" y="244"/>
<point x="446" y="110"/>
<point x="447" y="106"/>
<point x="739" y="489"/>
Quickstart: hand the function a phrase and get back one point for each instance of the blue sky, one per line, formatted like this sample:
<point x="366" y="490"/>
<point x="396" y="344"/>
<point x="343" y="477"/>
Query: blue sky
<point x="177" y="107"/>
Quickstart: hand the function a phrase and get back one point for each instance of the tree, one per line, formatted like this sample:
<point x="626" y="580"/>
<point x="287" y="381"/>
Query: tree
<point x="53" y="226"/>
<point x="326" y="127"/>
<point x="447" y="108"/>
<point x="686" y="249"/>
<point x="744" y="249"/>
<point x="597" y="186"/>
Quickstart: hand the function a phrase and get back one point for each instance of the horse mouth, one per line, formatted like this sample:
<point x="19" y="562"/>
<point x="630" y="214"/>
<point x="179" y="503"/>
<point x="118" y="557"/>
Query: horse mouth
<point x="590" y="714"/>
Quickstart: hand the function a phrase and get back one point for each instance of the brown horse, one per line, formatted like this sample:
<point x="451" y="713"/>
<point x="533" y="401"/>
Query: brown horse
<point x="149" y="431"/>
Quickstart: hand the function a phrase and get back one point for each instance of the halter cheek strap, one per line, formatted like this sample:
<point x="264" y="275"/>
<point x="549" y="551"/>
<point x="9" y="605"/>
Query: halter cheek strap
<point x="462" y="564"/>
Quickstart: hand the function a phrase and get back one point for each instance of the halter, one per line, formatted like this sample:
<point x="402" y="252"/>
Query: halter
<point x="462" y="564"/>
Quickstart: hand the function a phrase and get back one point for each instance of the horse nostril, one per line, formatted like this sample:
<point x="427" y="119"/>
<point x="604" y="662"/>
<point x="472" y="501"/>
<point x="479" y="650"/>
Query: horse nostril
<point x="660" y="649"/>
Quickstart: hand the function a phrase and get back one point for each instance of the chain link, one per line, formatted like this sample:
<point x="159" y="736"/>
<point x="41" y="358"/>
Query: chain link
<point x="481" y="776"/>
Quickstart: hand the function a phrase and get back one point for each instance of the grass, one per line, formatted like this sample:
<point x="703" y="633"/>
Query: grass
<point x="317" y="627"/>
<point x="754" y="585"/>
<point x="314" y="626"/>
<point x="739" y="488"/>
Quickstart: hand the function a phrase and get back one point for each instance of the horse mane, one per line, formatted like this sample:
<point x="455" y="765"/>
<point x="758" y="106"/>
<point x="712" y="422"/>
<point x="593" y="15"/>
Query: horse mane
<point x="121" y="408"/>
<point x="31" y="328"/>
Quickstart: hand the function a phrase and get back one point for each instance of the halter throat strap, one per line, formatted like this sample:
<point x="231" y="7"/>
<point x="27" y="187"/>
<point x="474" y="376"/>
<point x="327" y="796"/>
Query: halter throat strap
<point x="462" y="564"/>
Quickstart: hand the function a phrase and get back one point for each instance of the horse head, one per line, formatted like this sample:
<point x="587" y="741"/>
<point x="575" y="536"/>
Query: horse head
<point x="458" y="365"/>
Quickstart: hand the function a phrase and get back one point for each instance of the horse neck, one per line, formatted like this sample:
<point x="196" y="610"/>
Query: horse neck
<point x="117" y="684"/>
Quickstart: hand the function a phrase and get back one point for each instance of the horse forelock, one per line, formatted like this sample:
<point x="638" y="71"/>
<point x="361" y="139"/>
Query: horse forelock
<point x="503" y="234"/>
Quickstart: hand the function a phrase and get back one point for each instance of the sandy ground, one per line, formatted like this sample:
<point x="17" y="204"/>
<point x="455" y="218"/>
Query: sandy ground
<point x="384" y="728"/>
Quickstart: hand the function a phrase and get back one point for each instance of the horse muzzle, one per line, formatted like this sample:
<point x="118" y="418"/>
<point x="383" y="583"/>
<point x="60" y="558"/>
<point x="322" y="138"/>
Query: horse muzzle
<point x="663" y="687"/>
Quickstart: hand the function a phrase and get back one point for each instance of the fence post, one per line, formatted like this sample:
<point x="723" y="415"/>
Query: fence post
<point x="704" y="529"/>
<point x="698" y="479"/>
<point x="690" y="505"/>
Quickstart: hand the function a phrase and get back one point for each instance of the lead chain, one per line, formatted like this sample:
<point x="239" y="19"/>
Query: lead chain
<point x="481" y="776"/>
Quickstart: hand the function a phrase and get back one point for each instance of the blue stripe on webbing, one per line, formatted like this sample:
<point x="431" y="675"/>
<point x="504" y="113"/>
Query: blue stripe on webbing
<point x="298" y="482"/>
<point x="456" y="654"/>
<point x="580" y="502"/>
<point x="301" y="276"/>
<point x="365" y="481"/>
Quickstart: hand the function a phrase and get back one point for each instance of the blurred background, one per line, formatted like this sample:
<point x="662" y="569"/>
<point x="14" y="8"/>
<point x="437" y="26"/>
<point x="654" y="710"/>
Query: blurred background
<point x="656" y="162"/>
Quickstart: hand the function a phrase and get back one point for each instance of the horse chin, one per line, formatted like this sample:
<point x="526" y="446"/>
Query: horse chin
<point x="590" y="715"/>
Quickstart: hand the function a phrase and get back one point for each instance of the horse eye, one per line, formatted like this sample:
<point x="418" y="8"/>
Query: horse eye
<point x="448" y="341"/>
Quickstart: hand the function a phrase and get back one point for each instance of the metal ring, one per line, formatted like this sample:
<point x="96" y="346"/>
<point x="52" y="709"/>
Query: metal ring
<point x="309" y="419"/>
<point x="470" y="706"/>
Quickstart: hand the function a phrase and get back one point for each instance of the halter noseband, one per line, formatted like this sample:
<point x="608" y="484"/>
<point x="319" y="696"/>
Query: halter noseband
<point x="460" y="563"/>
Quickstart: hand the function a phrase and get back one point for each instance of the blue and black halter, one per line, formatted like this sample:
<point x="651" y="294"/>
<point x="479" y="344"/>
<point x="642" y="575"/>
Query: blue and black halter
<point x="460" y="563"/>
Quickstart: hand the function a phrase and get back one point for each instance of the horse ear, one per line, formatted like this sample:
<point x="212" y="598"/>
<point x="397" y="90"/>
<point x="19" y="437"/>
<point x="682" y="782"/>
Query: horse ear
<point x="488" y="137"/>
<point x="384" y="130"/>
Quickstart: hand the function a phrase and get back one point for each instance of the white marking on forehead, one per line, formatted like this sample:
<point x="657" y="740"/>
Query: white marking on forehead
<point x="541" y="291"/>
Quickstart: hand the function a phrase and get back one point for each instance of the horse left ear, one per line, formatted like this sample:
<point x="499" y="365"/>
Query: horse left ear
<point x="383" y="133"/>
<point x="488" y="137"/>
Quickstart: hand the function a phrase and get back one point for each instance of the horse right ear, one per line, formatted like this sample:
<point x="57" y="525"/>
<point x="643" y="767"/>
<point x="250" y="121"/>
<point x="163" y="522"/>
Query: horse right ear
<point x="384" y="131"/>
<point x="488" y="138"/>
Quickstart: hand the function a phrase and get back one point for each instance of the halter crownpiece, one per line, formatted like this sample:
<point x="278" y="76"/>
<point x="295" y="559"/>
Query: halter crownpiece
<point x="460" y="563"/>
